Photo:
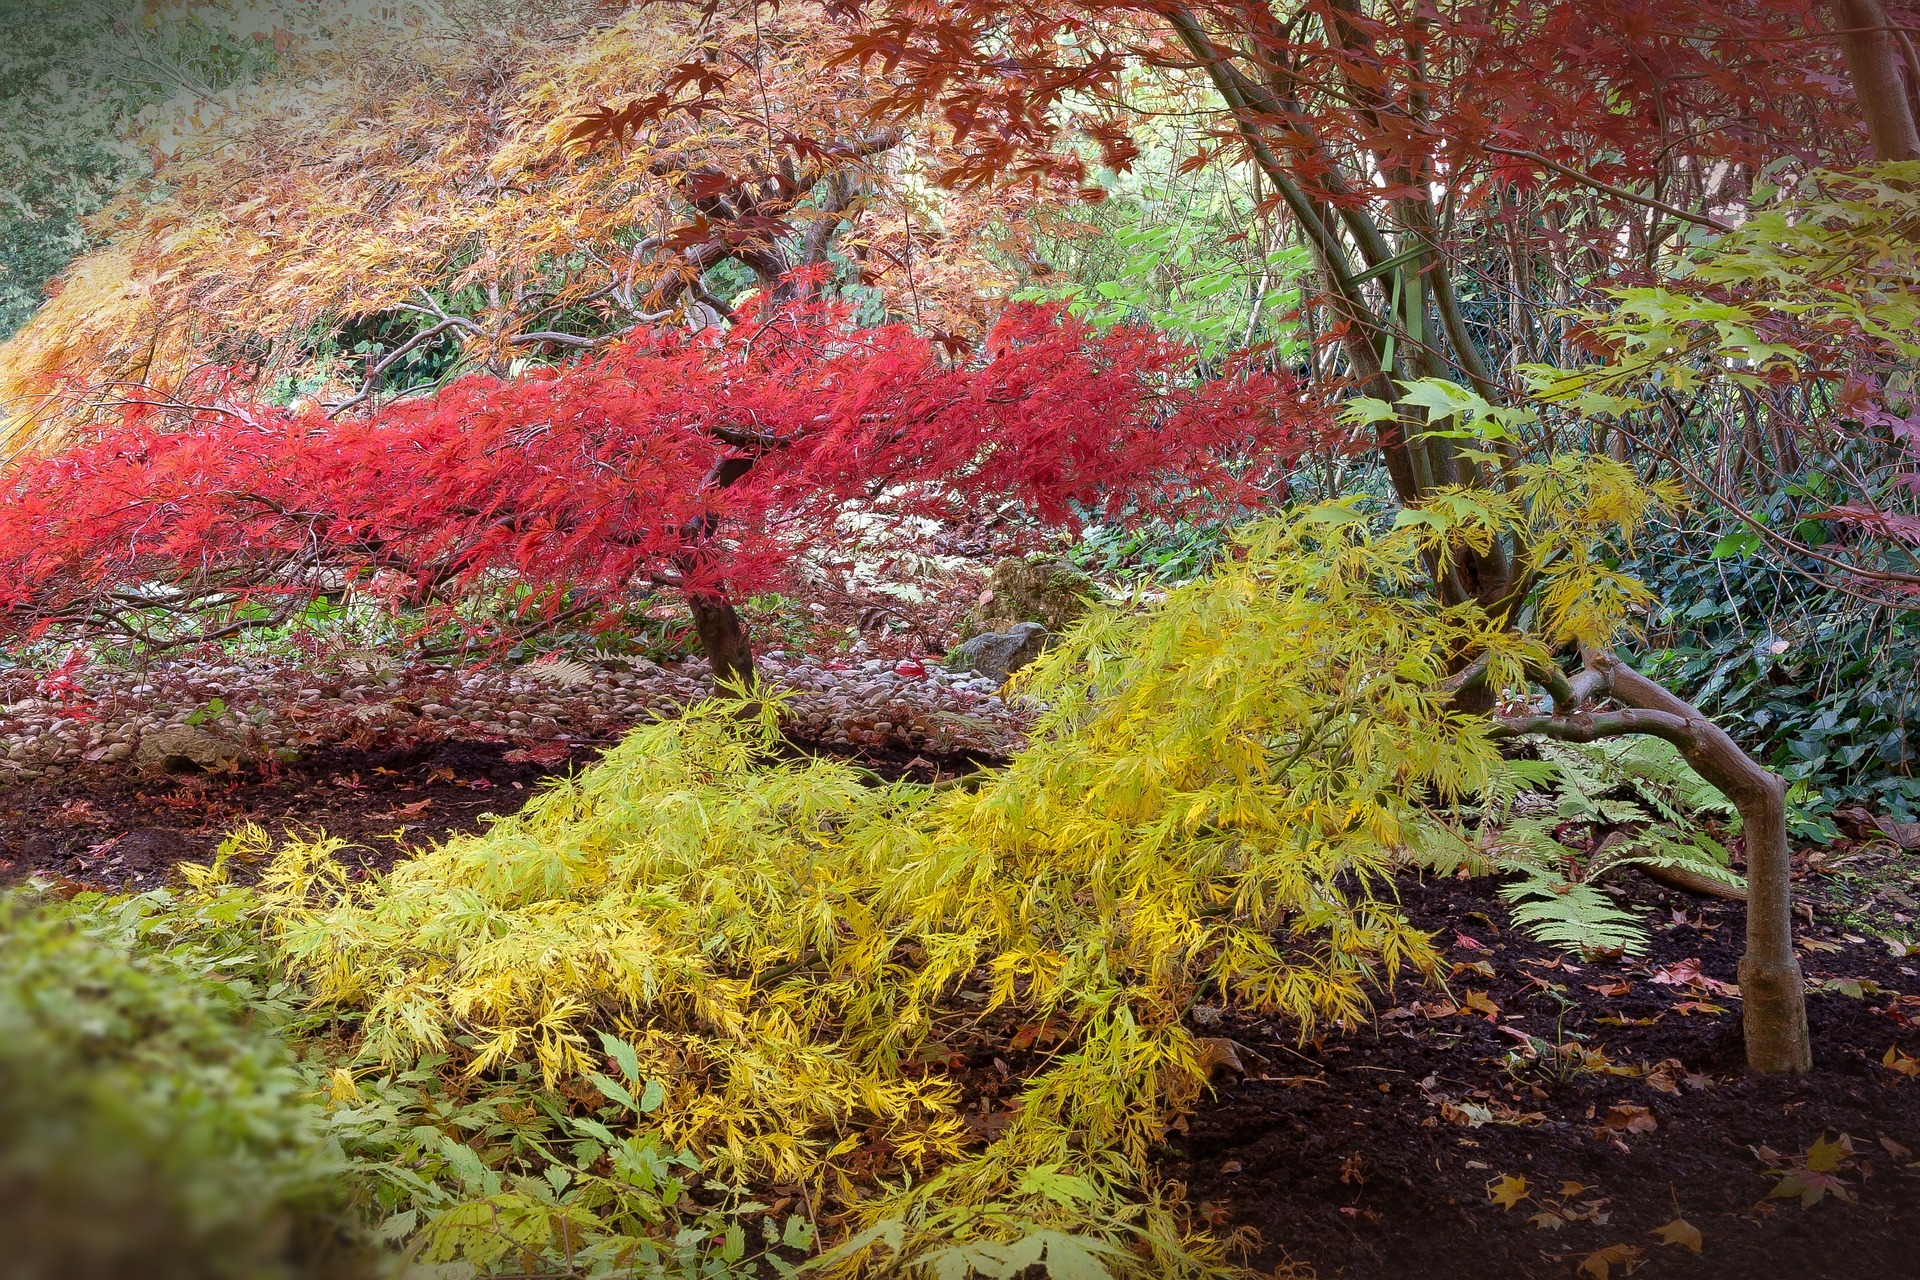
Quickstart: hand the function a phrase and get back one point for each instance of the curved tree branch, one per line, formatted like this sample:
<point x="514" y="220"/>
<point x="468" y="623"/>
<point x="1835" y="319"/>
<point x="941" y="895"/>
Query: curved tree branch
<point x="1773" y="997"/>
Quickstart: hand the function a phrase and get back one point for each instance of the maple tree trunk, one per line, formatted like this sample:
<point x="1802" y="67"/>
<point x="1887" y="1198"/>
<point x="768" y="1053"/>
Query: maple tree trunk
<point x="1772" y="990"/>
<point x="1349" y="245"/>
<point x="722" y="634"/>
<point x="1873" y="53"/>
<point x="724" y="637"/>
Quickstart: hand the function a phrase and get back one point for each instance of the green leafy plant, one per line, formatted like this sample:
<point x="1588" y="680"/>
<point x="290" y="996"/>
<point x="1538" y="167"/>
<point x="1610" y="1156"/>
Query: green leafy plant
<point x="152" y="1121"/>
<point x="212" y="712"/>
<point x="1814" y="681"/>
<point x="1168" y="278"/>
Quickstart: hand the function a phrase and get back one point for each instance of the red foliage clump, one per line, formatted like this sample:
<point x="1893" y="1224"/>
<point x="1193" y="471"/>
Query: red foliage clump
<point x="693" y="462"/>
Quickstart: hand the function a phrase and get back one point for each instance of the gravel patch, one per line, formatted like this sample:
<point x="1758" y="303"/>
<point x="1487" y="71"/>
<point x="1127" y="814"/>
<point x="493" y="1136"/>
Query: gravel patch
<point x="257" y="709"/>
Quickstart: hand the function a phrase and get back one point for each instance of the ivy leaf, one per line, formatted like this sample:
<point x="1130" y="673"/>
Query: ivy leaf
<point x="1738" y="545"/>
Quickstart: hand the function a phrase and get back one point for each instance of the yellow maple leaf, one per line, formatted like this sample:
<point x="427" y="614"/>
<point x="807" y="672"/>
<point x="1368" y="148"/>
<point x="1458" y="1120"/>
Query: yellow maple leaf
<point x="1680" y="1232"/>
<point x="1508" y="1190"/>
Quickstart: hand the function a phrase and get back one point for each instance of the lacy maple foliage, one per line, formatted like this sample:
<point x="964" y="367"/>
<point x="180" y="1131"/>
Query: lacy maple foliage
<point x="1488" y="88"/>
<point x="681" y="461"/>
<point x="428" y="190"/>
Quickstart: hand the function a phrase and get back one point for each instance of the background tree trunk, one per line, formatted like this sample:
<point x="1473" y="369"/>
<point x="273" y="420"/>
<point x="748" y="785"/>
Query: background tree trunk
<point x="1875" y="54"/>
<point x="722" y="634"/>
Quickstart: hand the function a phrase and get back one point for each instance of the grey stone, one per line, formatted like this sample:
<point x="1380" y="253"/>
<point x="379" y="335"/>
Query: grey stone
<point x="998" y="654"/>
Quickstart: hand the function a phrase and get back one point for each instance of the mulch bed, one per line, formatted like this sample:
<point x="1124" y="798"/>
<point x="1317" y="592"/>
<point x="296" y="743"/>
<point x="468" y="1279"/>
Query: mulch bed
<point x="1604" y="1098"/>
<point x="1379" y="1153"/>
<point x="124" y="829"/>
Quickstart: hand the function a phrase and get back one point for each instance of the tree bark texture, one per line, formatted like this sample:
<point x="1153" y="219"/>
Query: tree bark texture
<point x="1875" y="56"/>
<point x="723" y="636"/>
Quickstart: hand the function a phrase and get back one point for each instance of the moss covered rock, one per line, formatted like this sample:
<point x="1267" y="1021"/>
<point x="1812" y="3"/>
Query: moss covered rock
<point x="1051" y="592"/>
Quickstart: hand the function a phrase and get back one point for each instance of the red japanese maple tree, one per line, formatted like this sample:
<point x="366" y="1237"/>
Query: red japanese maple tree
<point x="697" y="463"/>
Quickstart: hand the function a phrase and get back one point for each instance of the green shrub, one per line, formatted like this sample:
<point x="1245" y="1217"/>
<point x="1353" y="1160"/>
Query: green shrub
<point x="150" y="1126"/>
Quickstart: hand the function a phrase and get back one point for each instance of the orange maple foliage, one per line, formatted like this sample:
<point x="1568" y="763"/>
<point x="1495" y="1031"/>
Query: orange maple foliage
<point x="457" y="183"/>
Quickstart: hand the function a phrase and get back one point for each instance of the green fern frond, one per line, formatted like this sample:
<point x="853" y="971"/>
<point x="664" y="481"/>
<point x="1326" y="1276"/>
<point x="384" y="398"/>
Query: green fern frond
<point x="1573" y="916"/>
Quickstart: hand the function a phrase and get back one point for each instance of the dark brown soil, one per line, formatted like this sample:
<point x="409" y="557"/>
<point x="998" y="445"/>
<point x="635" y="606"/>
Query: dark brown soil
<point x="122" y="829"/>
<point x="118" y="828"/>
<point x="1375" y="1154"/>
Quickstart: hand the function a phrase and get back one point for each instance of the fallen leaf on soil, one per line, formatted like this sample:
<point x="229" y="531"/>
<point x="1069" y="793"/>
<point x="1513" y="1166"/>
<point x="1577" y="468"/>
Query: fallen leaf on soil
<point x="1508" y="1190"/>
<point x="1680" y="1232"/>
<point x="1897" y="1061"/>
<point x="1470" y="1114"/>
<point x="1216" y="1052"/>
<point x="1688" y="1008"/>
<point x="1669" y="1074"/>
<point x="1619" y="987"/>
<point x="1627" y="1117"/>
<point x="1599" y="1265"/>
<point x="1810" y="1187"/>
<point x="413" y="810"/>
<point x="1480" y="1002"/>
<point x="1686" y="973"/>
<point x="1470" y="944"/>
<point x="1480" y="967"/>
<point x="1904" y="834"/>
<point x="1895" y="1149"/>
<point x="1026" y="1037"/>
<point x="1817" y="1175"/>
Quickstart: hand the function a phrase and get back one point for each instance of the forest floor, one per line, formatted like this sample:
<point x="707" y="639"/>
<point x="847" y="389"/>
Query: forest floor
<point x="1538" y="1117"/>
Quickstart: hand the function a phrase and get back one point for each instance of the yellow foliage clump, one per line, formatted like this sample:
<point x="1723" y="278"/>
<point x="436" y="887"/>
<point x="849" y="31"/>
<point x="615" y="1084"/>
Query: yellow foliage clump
<point x="1217" y="792"/>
